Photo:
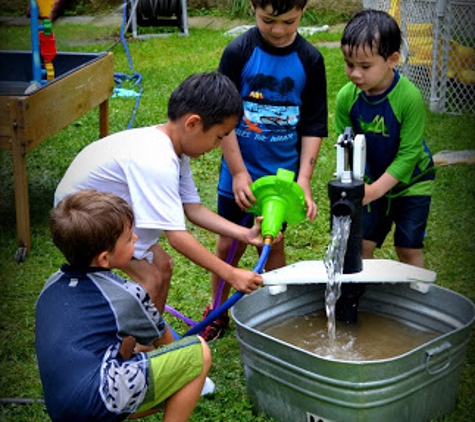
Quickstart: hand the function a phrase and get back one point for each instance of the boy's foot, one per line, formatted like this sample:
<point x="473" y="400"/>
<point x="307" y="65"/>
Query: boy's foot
<point x="216" y="329"/>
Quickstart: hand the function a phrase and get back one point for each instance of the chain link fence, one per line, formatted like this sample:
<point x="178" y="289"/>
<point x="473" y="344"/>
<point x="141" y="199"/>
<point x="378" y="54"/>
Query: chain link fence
<point x="438" y="52"/>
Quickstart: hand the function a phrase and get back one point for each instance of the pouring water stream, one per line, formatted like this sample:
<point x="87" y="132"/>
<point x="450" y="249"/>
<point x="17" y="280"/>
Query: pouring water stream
<point x="334" y="261"/>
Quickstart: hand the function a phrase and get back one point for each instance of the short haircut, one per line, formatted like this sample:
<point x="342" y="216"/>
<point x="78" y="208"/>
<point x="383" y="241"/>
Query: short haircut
<point x="212" y="96"/>
<point x="373" y="29"/>
<point x="279" y="6"/>
<point x="89" y="222"/>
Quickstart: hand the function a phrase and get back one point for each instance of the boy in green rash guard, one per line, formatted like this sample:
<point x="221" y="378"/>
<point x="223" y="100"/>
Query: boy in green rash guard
<point x="389" y="110"/>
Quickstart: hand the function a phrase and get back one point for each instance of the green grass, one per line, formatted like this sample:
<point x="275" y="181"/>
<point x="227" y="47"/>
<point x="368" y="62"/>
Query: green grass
<point x="164" y="63"/>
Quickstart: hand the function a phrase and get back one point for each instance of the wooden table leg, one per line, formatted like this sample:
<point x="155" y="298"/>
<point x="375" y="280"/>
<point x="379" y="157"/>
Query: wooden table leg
<point x="104" y="119"/>
<point x="20" y="184"/>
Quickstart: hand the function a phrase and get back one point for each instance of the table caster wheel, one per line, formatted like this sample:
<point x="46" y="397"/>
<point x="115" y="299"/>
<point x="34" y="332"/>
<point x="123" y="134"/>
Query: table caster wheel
<point x="20" y="254"/>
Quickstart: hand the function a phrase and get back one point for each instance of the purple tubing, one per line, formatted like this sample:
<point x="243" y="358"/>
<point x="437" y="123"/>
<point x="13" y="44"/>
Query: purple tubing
<point x="184" y="318"/>
<point x="229" y="258"/>
<point x="198" y="328"/>
<point x="219" y="293"/>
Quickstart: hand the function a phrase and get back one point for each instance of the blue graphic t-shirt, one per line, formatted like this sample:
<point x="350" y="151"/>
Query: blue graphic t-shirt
<point x="284" y="98"/>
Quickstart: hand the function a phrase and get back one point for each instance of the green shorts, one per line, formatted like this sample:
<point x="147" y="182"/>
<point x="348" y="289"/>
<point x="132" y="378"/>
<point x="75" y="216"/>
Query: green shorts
<point x="171" y="367"/>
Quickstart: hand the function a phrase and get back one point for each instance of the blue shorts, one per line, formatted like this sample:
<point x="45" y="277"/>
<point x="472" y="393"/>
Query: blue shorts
<point x="409" y="215"/>
<point x="228" y="209"/>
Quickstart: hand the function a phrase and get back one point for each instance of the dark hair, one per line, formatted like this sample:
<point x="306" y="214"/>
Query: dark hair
<point x="212" y="96"/>
<point x="279" y="6"/>
<point x="87" y="223"/>
<point x="373" y="28"/>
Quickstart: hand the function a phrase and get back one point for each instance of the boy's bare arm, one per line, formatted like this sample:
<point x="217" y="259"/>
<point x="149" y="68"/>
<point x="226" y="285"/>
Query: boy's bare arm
<point x="379" y="188"/>
<point x="308" y="159"/>
<point x="201" y="216"/>
<point x="129" y="345"/>
<point x="243" y="280"/>
<point x="165" y="339"/>
<point x="241" y="178"/>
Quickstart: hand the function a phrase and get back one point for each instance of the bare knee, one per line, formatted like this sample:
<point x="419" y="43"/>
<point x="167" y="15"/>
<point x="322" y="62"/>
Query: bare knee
<point x="368" y="249"/>
<point x="163" y="262"/>
<point x="411" y="256"/>
<point x="207" y="359"/>
<point x="166" y="268"/>
<point x="153" y="276"/>
<point x="153" y="281"/>
<point x="276" y="257"/>
<point x="223" y="247"/>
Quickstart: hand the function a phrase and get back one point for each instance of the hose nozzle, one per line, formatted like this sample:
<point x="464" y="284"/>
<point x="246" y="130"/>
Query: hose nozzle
<point x="268" y="239"/>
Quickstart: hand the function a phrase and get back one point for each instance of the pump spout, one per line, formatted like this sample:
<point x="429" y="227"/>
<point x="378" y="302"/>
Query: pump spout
<point x="346" y="200"/>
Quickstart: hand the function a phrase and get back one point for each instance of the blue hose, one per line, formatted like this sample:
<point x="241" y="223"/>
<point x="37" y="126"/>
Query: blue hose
<point x="35" y="43"/>
<point x="198" y="328"/>
<point x="137" y="77"/>
<point x="174" y="333"/>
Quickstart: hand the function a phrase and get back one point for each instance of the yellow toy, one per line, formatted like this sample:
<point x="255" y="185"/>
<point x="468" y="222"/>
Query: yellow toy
<point x="420" y="45"/>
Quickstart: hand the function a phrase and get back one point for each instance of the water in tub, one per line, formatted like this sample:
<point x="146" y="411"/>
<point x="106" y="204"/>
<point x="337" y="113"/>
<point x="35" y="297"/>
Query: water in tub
<point x="374" y="336"/>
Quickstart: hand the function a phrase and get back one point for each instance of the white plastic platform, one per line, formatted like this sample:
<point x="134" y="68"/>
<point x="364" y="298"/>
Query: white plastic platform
<point x="374" y="271"/>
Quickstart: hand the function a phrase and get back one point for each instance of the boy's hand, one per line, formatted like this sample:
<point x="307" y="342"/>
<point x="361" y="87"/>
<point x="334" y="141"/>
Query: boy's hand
<point x="255" y="236"/>
<point x="127" y="347"/>
<point x="242" y="190"/>
<point x="244" y="280"/>
<point x="312" y="209"/>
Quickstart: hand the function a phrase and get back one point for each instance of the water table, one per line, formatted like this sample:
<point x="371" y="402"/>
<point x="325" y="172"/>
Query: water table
<point x="29" y="116"/>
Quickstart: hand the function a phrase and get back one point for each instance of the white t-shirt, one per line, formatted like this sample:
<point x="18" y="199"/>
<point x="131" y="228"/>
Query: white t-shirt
<point x="141" y="166"/>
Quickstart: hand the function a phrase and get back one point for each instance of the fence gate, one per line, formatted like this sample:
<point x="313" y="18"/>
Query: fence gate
<point x="438" y="52"/>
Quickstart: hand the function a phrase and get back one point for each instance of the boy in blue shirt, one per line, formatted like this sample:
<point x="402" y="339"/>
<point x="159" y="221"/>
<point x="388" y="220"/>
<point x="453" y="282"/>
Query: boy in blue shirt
<point x="281" y="79"/>
<point x="88" y="320"/>
<point x="389" y="110"/>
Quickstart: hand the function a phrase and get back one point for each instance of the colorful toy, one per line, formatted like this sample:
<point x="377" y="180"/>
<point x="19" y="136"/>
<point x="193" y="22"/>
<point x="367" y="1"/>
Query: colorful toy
<point x="279" y="200"/>
<point x="43" y="47"/>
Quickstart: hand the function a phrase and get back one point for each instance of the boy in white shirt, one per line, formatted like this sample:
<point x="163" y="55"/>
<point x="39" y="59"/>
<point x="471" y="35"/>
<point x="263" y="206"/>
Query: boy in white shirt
<point x="149" y="168"/>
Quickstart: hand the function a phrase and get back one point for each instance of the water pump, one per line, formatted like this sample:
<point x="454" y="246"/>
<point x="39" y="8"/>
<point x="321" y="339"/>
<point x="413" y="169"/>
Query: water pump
<point x="346" y="193"/>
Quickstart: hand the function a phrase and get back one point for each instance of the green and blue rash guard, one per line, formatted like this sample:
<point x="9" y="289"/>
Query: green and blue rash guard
<point x="81" y="319"/>
<point x="284" y="97"/>
<point x="393" y="124"/>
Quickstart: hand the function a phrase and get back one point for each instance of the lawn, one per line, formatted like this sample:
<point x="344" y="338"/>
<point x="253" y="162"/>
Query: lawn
<point x="163" y="64"/>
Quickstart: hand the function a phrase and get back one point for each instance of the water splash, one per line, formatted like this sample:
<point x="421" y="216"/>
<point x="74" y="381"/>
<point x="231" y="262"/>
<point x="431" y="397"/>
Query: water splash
<point x="334" y="260"/>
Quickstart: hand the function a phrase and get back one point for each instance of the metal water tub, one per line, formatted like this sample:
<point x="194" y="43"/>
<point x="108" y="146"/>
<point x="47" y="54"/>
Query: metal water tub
<point x="293" y="385"/>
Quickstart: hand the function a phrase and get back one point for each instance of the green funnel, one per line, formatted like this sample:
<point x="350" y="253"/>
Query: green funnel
<point x="279" y="200"/>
